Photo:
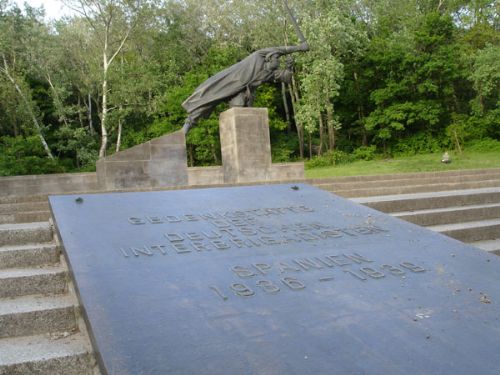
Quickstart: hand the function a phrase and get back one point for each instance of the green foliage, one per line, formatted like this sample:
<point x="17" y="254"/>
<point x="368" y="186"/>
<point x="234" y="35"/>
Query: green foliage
<point x="78" y="144"/>
<point x="420" y="143"/>
<point x="393" y="120"/>
<point x="25" y="155"/>
<point x="332" y="157"/>
<point x="484" y="145"/>
<point x="204" y="143"/>
<point x="283" y="147"/>
<point x="364" y="153"/>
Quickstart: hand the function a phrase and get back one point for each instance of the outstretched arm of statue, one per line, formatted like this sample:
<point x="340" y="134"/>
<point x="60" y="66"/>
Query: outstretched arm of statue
<point x="302" y="47"/>
<point x="285" y="50"/>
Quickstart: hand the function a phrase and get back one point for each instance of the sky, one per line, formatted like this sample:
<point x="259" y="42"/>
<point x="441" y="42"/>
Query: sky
<point x="54" y="9"/>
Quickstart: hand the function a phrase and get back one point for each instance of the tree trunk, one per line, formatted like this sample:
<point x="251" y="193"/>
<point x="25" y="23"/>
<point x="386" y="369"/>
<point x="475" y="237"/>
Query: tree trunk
<point x="119" y="136"/>
<point x="30" y="109"/>
<point x="104" y="109"/>
<point x="57" y="101"/>
<point x="80" y="117"/>
<point x="285" y="105"/>
<point x="300" y="128"/>
<point x="457" y="142"/>
<point x="104" y="114"/>
<point x="106" y="62"/>
<point x="89" y="108"/>
<point x="361" y="114"/>
<point x="321" y="134"/>
<point x="310" y="145"/>
<point x="331" y="128"/>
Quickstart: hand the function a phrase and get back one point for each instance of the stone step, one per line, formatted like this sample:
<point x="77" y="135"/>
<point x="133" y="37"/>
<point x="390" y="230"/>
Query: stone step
<point x="454" y="179"/>
<point x="363" y="192"/>
<point x="25" y="217"/>
<point x="400" y="176"/>
<point x="46" y="355"/>
<point x="451" y="215"/>
<point x="25" y="233"/>
<point x="492" y="246"/>
<point x="28" y="255"/>
<point x="422" y="201"/>
<point x="32" y="315"/>
<point x="470" y="231"/>
<point x="23" y="199"/>
<point x="16" y="282"/>
<point x="9" y="208"/>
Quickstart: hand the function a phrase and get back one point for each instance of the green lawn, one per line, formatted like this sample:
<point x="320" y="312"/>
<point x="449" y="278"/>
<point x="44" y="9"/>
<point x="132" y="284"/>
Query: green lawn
<point x="417" y="163"/>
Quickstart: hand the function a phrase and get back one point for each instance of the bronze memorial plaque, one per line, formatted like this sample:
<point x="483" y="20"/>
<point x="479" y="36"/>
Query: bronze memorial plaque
<point x="276" y="279"/>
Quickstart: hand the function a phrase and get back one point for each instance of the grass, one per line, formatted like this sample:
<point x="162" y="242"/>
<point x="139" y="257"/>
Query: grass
<point x="407" y="164"/>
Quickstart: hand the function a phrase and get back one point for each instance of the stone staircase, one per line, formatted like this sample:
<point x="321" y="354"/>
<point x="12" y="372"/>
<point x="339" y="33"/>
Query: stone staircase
<point x="409" y="183"/>
<point x="27" y="209"/>
<point x="471" y="216"/>
<point x="41" y="331"/>
<point x="464" y="205"/>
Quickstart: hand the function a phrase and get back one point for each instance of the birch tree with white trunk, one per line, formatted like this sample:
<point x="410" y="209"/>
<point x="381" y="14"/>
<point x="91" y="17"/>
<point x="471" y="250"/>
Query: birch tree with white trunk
<point x="112" y="22"/>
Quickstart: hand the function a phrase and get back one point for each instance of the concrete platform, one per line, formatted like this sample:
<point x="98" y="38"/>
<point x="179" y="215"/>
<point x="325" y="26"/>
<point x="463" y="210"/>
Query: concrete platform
<point x="470" y="231"/>
<point x="451" y="215"/>
<point x="25" y="233"/>
<point x="403" y="180"/>
<point x="440" y="199"/>
<point x="23" y="207"/>
<point x="31" y="315"/>
<point x="36" y="255"/>
<point x="24" y="217"/>
<point x="492" y="246"/>
<point x="46" y="355"/>
<point x="15" y="282"/>
<point x="365" y="192"/>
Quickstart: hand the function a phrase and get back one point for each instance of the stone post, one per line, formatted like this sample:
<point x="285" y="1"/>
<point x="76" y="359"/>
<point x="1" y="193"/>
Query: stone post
<point x="245" y="145"/>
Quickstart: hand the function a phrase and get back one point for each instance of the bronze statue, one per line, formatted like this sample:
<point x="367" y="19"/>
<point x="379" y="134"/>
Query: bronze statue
<point x="238" y="83"/>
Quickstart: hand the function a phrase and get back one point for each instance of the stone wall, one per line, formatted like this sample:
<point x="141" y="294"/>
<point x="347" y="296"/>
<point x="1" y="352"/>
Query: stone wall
<point x="161" y="163"/>
<point x="48" y="184"/>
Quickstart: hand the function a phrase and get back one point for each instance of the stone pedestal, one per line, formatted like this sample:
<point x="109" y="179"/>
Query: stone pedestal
<point x="159" y="162"/>
<point x="245" y="145"/>
<point x="162" y="162"/>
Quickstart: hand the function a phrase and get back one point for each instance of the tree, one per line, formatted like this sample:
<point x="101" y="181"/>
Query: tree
<point x="15" y="51"/>
<point x="112" y="22"/>
<point x="334" y="38"/>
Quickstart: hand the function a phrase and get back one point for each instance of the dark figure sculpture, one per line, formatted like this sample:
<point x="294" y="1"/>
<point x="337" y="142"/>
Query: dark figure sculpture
<point x="239" y="82"/>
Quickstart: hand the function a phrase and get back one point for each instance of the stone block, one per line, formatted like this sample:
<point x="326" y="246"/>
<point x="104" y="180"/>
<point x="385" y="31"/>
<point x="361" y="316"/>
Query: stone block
<point x="160" y="162"/>
<point x="245" y="145"/>
<point x="287" y="171"/>
<point x="205" y="176"/>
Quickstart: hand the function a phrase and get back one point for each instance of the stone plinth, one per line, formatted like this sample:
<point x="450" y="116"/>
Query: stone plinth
<point x="159" y="162"/>
<point x="245" y="145"/>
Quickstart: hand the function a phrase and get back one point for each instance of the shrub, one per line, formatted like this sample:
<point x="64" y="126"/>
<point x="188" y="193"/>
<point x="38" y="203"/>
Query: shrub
<point x="420" y="143"/>
<point x="364" y="153"/>
<point x="484" y="145"/>
<point x="329" y="158"/>
<point x="22" y="156"/>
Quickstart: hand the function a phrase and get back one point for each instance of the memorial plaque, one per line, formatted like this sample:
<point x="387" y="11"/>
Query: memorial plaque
<point x="277" y="279"/>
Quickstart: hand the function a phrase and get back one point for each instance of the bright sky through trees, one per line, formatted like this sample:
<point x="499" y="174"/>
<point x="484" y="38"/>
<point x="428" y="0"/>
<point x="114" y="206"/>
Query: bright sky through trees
<point x="54" y="9"/>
